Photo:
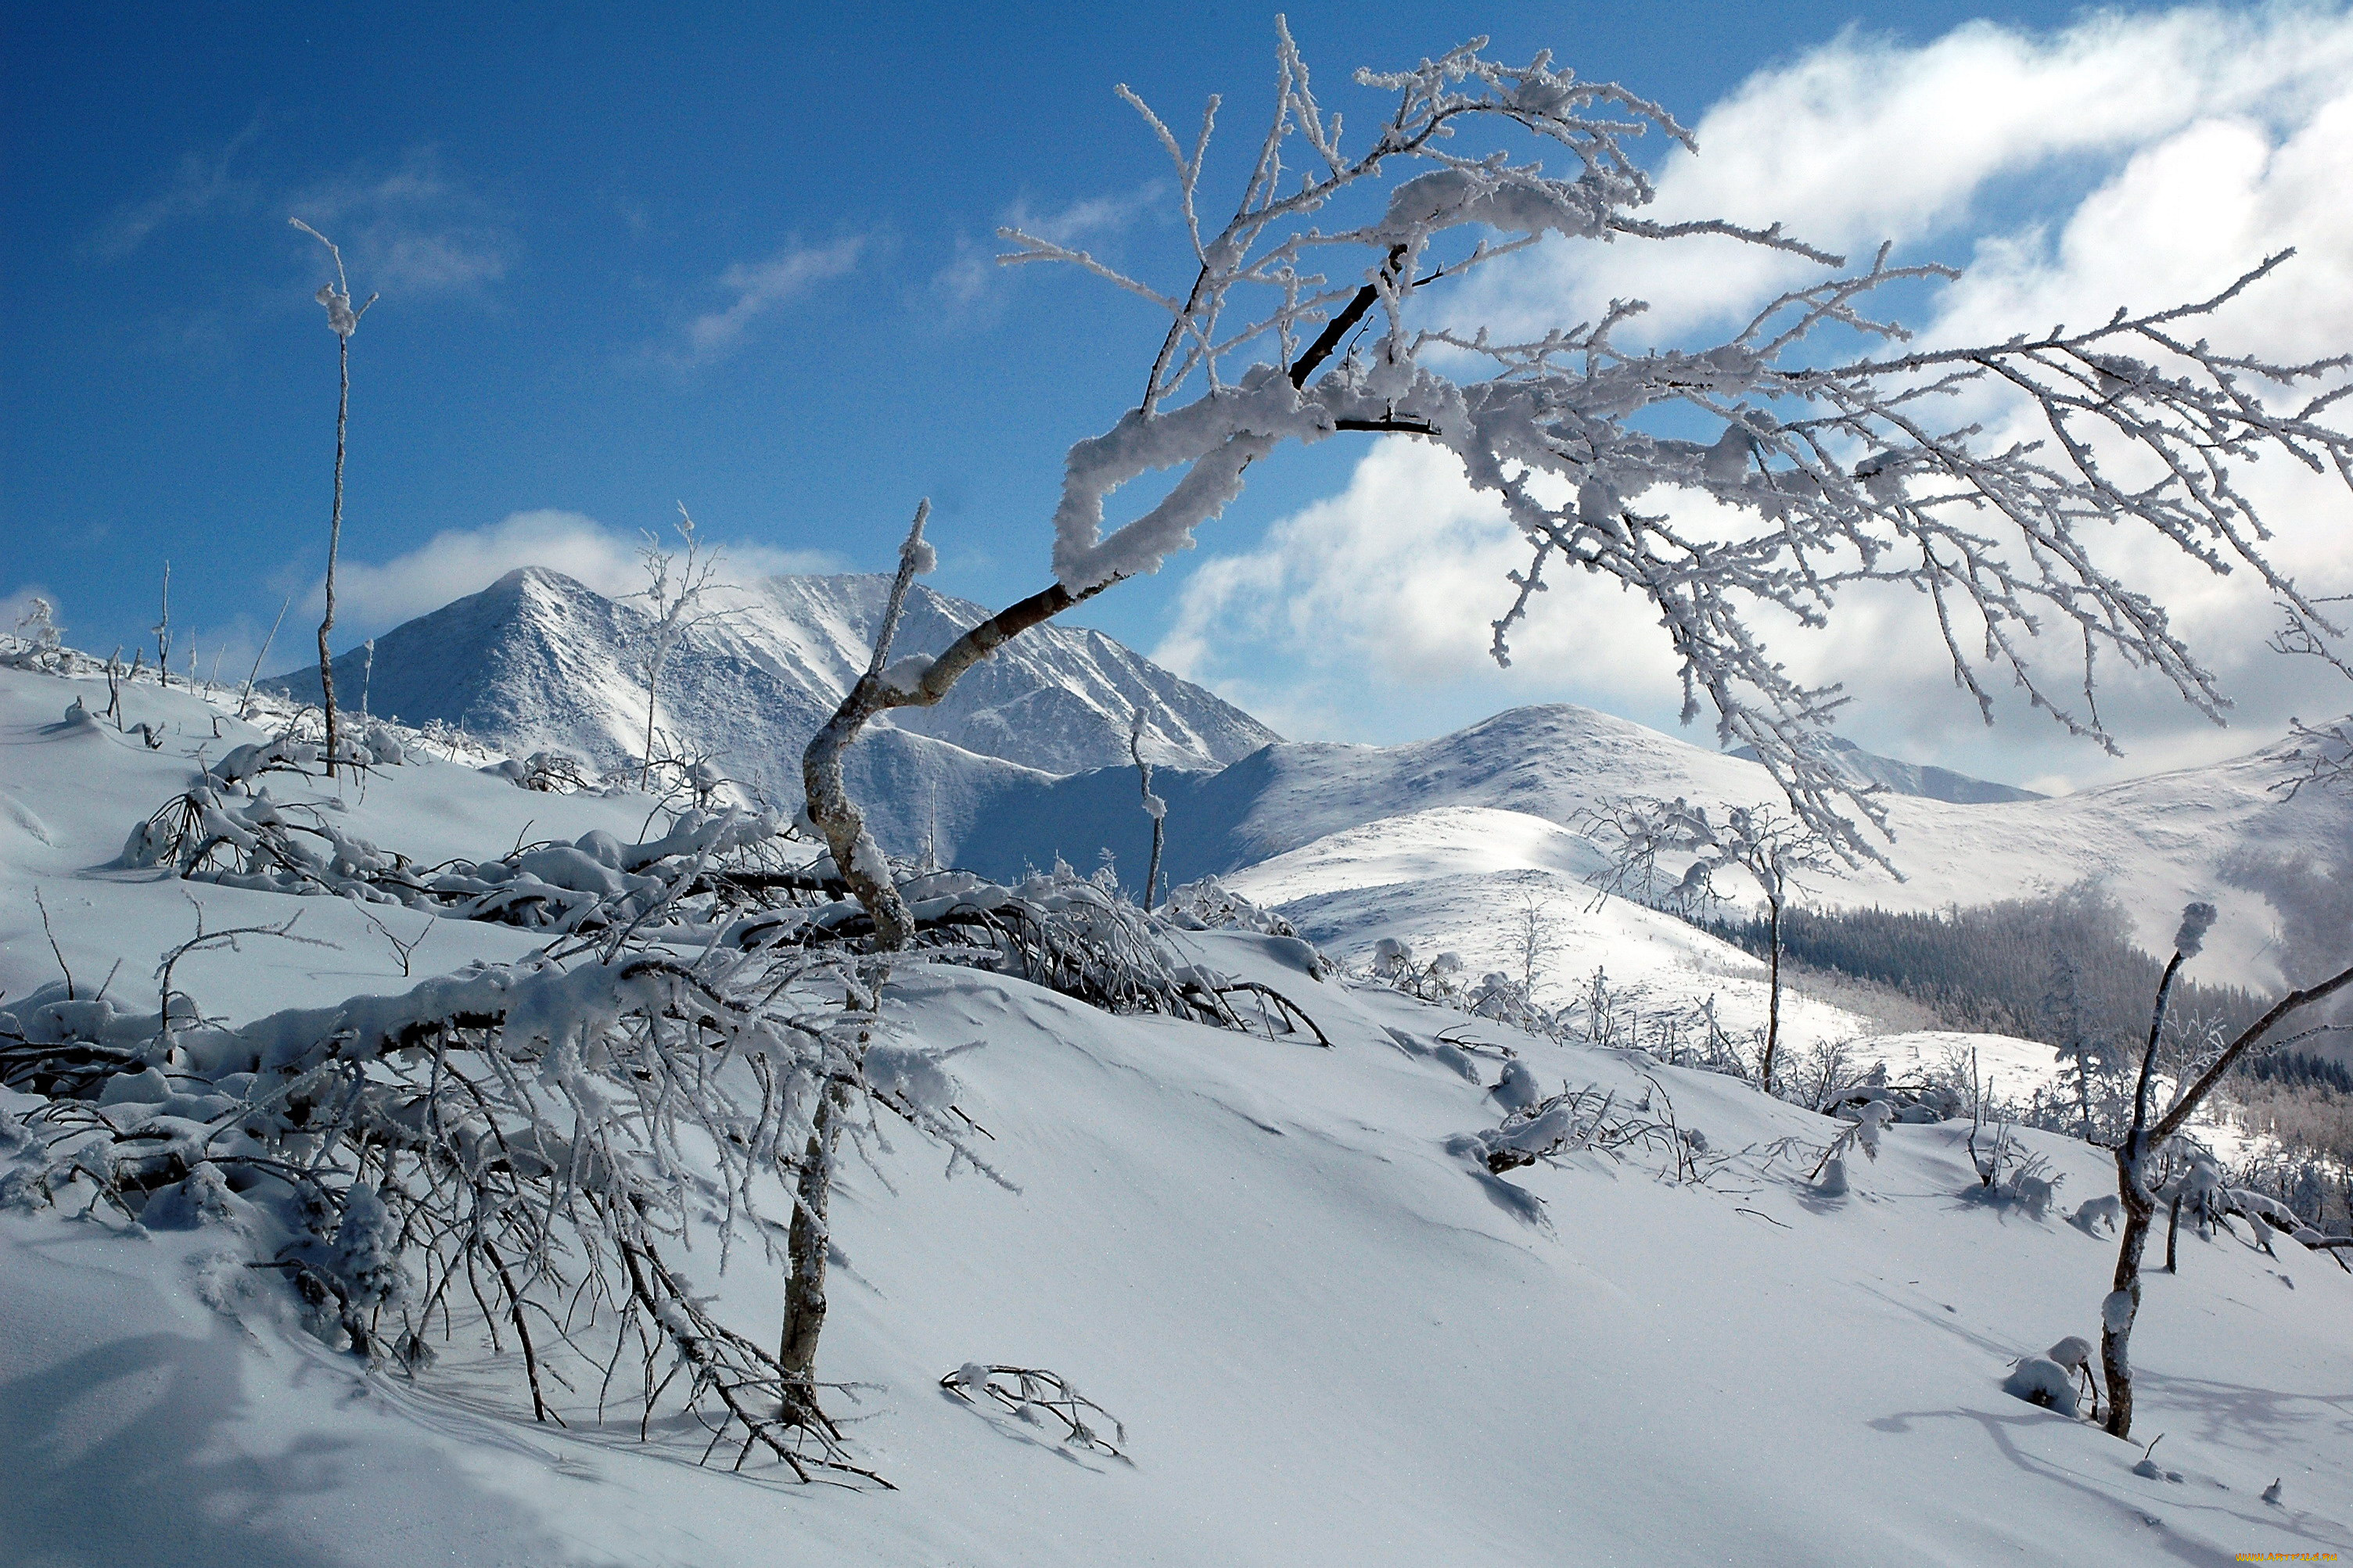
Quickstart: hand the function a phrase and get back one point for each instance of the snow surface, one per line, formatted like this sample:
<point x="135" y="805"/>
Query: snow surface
<point x="1330" y="1341"/>
<point x="1863" y="769"/>
<point x="1452" y="877"/>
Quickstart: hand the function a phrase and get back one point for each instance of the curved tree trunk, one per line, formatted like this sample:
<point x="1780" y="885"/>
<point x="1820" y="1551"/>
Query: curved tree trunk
<point x="2117" y="1312"/>
<point x="2116" y="1315"/>
<point x="831" y="811"/>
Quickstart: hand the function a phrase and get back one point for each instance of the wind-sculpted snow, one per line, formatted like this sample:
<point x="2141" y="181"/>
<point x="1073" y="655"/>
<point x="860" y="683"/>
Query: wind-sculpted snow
<point x="537" y="659"/>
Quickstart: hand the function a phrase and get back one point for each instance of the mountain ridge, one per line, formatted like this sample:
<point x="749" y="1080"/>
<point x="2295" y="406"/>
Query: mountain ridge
<point x="539" y="660"/>
<point x="2158" y="841"/>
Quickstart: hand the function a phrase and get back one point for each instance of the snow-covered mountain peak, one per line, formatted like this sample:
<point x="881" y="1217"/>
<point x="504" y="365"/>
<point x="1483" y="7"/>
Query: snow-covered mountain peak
<point x="538" y="659"/>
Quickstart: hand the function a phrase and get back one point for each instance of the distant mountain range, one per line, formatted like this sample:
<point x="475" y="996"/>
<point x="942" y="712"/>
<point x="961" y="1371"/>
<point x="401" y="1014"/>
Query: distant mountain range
<point x="1027" y="762"/>
<point x="537" y="659"/>
<point x="2222" y="832"/>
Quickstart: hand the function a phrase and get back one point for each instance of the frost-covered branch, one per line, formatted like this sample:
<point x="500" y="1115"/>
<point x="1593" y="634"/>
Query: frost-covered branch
<point x="1829" y="471"/>
<point x="1768" y="850"/>
<point x="548" y="1140"/>
<point x="2323" y="752"/>
<point x="679" y="583"/>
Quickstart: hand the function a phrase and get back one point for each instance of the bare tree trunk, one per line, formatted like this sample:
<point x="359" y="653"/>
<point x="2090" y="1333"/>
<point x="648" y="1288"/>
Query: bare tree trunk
<point x="2172" y="1233"/>
<point x="653" y="684"/>
<point x="163" y="632"/>
<point x="1152" y="876"/>
<point x="856" y="857"/>
<point x="831" y="810"/>
<point x="244" y="701"/>
<point x="2117" y="1312"/>
<point x="1773" y="1001"/>
<point x="809" y="1242"/>
<point x="2123" y="1305"/>
<point x="335" y="541"/>
<point x="2116" y="1335"/>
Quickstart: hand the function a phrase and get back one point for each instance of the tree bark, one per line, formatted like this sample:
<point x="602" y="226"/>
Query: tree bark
<point x="653" y="688"/>
<point x="2115" y="1341"/>
<point x="807" y="1246"/>
<point x="2132" y="1166"/>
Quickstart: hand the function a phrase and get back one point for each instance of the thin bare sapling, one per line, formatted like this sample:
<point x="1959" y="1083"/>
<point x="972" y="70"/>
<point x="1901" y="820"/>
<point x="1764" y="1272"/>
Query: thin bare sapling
<point x="342" y="321"/>
<point x="1771" y="850"/>
<point x="163" y="632"/>
<point x="2323" y="751"/>
<point x="1154" y="806"/>
<point x="679" y="583"/>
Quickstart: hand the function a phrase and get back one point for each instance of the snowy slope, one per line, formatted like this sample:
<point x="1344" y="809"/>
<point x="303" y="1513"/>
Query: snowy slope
<point x="537" y="659"/>
<point x="1330" y="1343"/>
<point x="1459" y="877"/>
<point x="1865" y="769"/>
<point x="2156" y="841"/>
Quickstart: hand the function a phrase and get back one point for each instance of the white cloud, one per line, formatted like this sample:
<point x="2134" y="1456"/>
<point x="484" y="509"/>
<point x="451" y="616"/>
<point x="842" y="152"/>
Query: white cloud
<point x="2199" y="141"/>
<point x="200" y="184"/>
<point x="973" y="278"/>
<point x="1865" y="140"/>
<point x="760" y="287"/>
<point x="409" y="232"/>
<point x="458" y="562"/>
<point x="1086" y="216"/>
<point x="1385" y="593"/>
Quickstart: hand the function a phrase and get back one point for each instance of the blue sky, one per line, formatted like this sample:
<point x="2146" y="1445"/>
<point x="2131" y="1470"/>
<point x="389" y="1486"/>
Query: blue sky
<point x="738" y="257"/>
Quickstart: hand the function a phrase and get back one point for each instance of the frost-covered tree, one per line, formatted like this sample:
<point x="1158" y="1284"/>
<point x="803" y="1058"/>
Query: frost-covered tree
<point x="2087" y="1059"/>
<point x="1532" y="935"/>
<point x="1154" y="806"/>
<point x="678" y="586"/>
<point x="41" y="642"/>
<point x="2137" y="1153"/>
<point x="2324" y="751"/>
<point x="163" y="629"/>
<point x="1761" y="847"/>
<point x="1810" y="451"/>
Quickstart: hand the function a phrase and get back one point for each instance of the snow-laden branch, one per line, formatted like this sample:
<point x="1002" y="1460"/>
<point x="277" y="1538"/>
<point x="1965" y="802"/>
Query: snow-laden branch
<point x="1983" y="478"/>
<point x="1837" y="471"/>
